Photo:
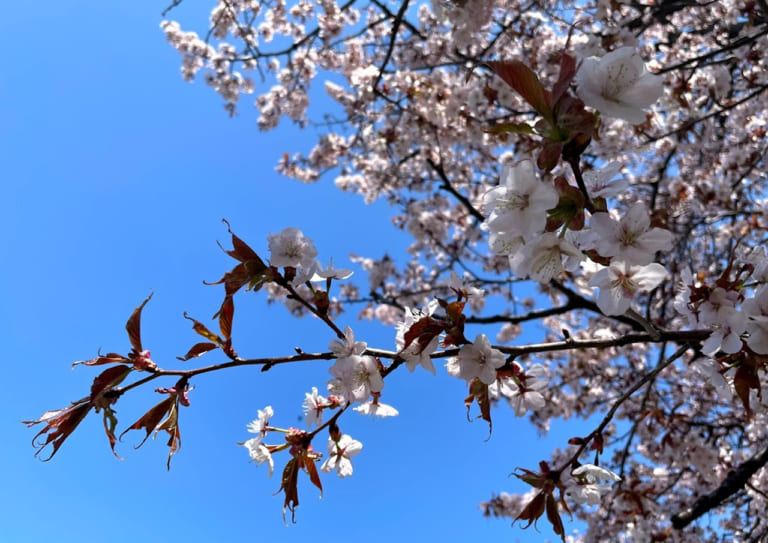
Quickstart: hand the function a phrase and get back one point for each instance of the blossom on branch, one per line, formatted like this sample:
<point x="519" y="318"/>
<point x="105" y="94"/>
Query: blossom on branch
<point x="519" y="204"/>
<point x="587" y="485"/>
<point x="260" y="426"/>
<point x="290" y="249"/>
<point x="618" y="85"/>
<point x="355" y="378"/>
<point x="630" y="239"/>
<point x="313" y="407"/>
<point x="477" y="360"/>
<point x="339" y="454"/>
<point x="619" y="283"/>
<point x="260" y="453"/>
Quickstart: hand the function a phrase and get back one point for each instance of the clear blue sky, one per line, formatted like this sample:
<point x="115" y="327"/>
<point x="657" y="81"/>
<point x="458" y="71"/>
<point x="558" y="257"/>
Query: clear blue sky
<point x="116" y="175"/>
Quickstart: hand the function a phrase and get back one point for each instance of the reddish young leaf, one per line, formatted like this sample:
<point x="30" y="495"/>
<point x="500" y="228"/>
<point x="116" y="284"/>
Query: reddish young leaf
<point x="197" y="350"/>
<point x="59" y="425"/>
<point x="289" y="485"/>
<point x="106" y="380"/>
<point x="201" y="329"/>
<point x="133" y="326"/>
<point x="423" y="331"/>
<point x="744" y="380"/>
<point x="521" y="78"/>
<point x="225" y="314"/>
<point x="307" y="461"/>
<point x="514" y="128"/>
<point x="533" y="511"/>
<point x="455" y="311"/>
<point x="171" y="425"/>
<point x="150" y="420"/>
<point x="109" y="419"/>
<point x="478" y="392"/>
<point x="553" y="516"/>
<point x="110" y="358"/>
<point x="240" y="250"/>
<point x="564" y="78"/>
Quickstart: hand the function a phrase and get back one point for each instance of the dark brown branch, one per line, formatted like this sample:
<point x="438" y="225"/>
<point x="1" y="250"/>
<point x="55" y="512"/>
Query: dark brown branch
<point x="734" y="481"/>
<point x="447" y="186"/>
<point x="392" y="39"/>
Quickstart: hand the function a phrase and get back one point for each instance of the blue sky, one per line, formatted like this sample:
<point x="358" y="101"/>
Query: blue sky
<point x="117" y="174"/>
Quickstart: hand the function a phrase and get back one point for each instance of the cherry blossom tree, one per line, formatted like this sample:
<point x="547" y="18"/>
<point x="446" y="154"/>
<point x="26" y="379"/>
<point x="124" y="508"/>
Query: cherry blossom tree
<point x="593" y="168"/>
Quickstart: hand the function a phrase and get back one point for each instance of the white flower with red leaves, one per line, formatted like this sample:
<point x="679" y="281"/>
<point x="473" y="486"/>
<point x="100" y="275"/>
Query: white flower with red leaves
<point x="415" y="353"/>
<point x="618" y="85"/>
<point x="339" y="454"/>
<point x="523" y="391"/>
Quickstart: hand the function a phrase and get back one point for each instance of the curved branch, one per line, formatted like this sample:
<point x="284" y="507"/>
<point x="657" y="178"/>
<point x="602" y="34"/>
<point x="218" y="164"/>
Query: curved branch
<point x="733" y="482"/>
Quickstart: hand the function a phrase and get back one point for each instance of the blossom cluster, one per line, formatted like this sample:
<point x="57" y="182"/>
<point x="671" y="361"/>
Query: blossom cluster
<point x="419" y="123"/>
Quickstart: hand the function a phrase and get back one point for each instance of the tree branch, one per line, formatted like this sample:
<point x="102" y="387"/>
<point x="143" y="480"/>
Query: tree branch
<point x="733" y="482"/>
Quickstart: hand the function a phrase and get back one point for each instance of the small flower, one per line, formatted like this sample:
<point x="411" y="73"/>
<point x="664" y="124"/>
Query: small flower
<point x="620" y="282"/>
<point x="377" y="409"/>
<point x="330" y="273"/>
<point x="313" y="407"/>
<point x="468" y="292"/>
<point x="618" y="85"/>
<point x="599" y="184"/>
<point x="260" y="426"/>
<point x="523" y="390"/>
<point x="631" y="239"/>
<point x="356" y="377"/>
<point x="349" y="347"/>
<point x="519" y="204"/>
<point x="756" y="309"/>
<point x="584" y="486"/>
<point x="339" y="454"/>
<point x="477" y="359"/>
<point x="290" y="249"/>
<point x="542" y="258"/>
<point x="260" y="453"/>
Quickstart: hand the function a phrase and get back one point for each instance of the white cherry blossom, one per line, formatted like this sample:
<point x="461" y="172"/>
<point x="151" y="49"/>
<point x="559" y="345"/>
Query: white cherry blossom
<point x="619" y="283"/>
<point x="313" y="408"/>
<point x="618" y="85"/>
<point x="587" y="484"/>
<point x="260" y="453"/>
<point x="339" y="454"/>
<point x="260" y="424"/>
<point x="477" y="360"/>
<point x="290" y="248"/>
<point x="631" y="238"/>
<point x="519" y="204"/>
